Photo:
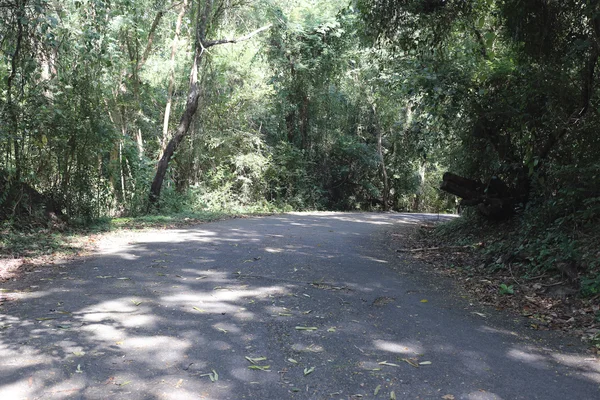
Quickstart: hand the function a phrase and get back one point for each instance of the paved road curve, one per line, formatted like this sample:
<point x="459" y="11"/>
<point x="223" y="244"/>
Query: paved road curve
<point x="187" y="314"/>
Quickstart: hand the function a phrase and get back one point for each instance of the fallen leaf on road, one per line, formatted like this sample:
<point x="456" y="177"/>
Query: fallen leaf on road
<point x="411" y="362"/>
<point x="260" y="367"/>
<point x="199" y="309"/>
<point x="389" y="364"/>
<point x="136" y="302"/>
<point x="377" y="389"/>
<point x="393" y="395"/>
<point x="179" y="383"/>
<point x="256" y="359"/>
<point x="292" y="361"/>
<point x="332" y="329"/>
<point x="425" y="363"/>
<point x="213" y="376"/>
<point x="306" y="328"/>
<point x="448" y="397"/>
<point x="308" y="370"/>
<point x="424" y="301"/>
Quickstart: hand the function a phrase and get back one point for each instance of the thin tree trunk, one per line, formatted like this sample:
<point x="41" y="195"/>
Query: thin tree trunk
<point x="421" y="189"/>
<point x="140" y="143"/>
<point x="386" y="186"/>
<point x="165" y="132"/>
<point x="121" y="173"/>
<point x="9" y="83"/>
<point x="304" y="122"/>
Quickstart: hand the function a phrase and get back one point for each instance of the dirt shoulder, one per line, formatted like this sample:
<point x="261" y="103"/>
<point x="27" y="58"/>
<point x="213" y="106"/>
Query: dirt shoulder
<point x="549" y="300"/>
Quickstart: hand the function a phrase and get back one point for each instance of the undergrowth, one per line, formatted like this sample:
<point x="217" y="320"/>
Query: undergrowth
<point x="539" y="242"/>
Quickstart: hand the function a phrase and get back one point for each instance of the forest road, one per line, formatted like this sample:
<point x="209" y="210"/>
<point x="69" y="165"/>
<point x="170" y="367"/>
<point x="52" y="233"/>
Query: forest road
<point x="292" y="306"/>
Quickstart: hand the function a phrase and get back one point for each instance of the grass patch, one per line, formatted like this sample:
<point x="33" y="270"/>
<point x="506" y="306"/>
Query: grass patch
<point x="40" y="242"/>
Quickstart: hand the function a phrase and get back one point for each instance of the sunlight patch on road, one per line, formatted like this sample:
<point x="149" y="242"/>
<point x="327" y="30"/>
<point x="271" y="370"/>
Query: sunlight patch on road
<point x="161" y="348"/>
<point x="105" y="332"/>
<point x="363" y="221"/>
<point x="527" y="357"/>
<point x="224" y="294"/>
<point x="482" y="395"/>
<point x="399" y="347"/>
<point x="110" y="308"/>
<point x="590" y="366"/>
<point x="273" y="250"/>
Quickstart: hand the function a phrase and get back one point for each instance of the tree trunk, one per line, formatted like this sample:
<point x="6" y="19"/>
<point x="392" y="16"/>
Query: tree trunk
<point x="421" y="190"/>
<point x="14" y="123"/>
<point x="165" y="132"/>
<point x="386" y="187"/>
<point x="304" y="123"/>
<point x="184" y="124"/>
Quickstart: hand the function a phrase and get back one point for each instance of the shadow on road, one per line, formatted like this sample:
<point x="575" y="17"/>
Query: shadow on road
<point x="294" y="306"/>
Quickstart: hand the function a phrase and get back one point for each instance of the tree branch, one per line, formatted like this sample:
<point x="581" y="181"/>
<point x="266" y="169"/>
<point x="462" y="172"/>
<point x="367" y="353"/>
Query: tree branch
<point x="480" y="42"/>
<point x="211" y="43"/>
<point x="146" y="53"/>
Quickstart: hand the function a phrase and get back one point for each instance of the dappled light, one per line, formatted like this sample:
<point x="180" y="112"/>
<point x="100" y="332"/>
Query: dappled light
<point x="255" y="308"/>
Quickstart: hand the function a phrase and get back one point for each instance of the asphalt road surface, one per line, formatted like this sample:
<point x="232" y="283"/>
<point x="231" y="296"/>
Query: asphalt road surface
<point x="294" y="306"/>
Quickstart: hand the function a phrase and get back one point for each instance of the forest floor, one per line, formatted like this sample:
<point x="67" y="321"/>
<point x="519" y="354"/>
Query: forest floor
<point x="550" y="301"/>
<point x="290" y="306"/>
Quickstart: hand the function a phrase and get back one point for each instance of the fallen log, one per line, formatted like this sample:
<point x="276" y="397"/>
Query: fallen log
<point x="494" y="200"/>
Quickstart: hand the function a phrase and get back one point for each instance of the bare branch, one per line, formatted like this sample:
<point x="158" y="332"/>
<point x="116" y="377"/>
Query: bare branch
<point x="155" y="23"/>
<point x="211" y="43"/>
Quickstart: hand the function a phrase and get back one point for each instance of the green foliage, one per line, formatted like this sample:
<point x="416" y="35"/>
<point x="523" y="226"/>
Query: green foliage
<point x="590" y="285"/>
<point x="286" y="122"/>
<point x="504" y="289"/>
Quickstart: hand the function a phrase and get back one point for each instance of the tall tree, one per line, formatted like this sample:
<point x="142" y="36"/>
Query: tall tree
<point x="205" y="17"/>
